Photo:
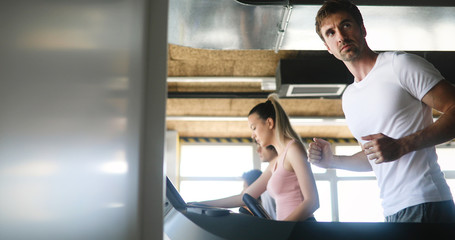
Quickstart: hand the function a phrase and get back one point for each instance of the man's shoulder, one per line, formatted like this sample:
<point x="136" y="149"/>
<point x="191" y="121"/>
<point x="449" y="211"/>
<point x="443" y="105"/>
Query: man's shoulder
<point x="403" y="56"/>
<point x="391" y="55"/>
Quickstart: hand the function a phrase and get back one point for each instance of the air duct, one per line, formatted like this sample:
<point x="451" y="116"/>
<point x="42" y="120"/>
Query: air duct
<point x="317" y="75"/>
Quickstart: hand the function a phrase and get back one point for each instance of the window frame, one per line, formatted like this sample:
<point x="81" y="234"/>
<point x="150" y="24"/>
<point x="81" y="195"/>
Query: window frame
<point x="330" y="175"/>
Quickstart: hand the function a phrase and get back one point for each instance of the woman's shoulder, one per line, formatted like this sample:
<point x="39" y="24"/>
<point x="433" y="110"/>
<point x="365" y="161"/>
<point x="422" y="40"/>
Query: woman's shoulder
<point x="297" y="151"/>
<point x="296" y="146"/>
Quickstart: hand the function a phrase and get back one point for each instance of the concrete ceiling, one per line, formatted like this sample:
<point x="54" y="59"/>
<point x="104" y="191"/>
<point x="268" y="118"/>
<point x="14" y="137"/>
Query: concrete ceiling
<point x="218" y="105"/>
<point x="201" y="116"/>
<point x="222" y="53"/>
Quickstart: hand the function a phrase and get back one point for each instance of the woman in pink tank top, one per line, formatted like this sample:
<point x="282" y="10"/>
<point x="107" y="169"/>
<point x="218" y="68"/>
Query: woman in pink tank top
<point x="289" y="180"/>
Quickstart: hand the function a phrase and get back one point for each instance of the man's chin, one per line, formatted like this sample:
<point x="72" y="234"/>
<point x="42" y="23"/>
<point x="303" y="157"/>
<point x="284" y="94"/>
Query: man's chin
<point x="349" y="56"/>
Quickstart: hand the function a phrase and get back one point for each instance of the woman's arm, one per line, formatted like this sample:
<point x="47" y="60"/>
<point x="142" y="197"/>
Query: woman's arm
<point x="227" y="202"/>
<point x="297" y="161"/>
<point x="255" y="190"/>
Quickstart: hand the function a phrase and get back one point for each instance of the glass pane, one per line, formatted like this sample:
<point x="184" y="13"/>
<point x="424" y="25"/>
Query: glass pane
<point x="324" y="213"/>
<point x="317" y="169"/>
<point x="208" y="190"/>
<point x="346" y="173"/>
<point x="446" y="158"/>
<point x="348" y="151"/>
<point x="215" y="160"/>
<point x="359" y="201"/>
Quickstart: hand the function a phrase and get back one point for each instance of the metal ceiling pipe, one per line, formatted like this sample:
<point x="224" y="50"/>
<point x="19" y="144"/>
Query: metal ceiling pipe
<point x="286" y="16"/>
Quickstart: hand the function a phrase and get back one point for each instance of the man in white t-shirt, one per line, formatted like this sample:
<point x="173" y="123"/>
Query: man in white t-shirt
<point x="388" y="109"/>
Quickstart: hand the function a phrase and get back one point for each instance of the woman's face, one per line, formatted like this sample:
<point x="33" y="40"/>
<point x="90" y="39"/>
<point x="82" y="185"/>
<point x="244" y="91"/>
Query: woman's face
<point x="261" y="129"/>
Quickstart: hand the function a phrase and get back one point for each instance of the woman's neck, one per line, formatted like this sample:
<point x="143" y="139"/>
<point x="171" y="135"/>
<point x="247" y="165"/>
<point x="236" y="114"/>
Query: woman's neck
<point x="280" y="146"/>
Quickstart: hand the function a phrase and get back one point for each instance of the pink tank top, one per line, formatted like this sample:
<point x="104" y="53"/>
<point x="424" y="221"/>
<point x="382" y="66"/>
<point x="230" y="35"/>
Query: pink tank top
<point x="284" y="187"/>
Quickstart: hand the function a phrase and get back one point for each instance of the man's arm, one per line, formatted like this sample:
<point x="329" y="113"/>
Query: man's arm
<point x="321" y="155"/>
<point x="441" y="97"/>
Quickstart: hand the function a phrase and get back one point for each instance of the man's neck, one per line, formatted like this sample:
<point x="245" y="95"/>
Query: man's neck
<point x="361" y="66"/>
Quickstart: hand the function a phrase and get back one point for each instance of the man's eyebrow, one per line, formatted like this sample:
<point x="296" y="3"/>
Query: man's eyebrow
<point x="327" y="31"/>
<point x="347" y="20"/>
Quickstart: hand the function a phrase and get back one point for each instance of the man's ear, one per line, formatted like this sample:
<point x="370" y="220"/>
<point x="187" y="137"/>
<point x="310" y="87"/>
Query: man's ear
<point x="270" y="123"/>
<point x="328" y="49"/>
<point x="363" y="31"/>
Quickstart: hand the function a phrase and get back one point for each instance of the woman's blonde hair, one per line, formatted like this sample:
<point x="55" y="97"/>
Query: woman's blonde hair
<point x="273" y="109"/>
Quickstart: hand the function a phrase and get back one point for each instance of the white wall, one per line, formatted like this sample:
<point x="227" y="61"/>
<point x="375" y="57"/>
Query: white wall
<point x="75" y="128"/>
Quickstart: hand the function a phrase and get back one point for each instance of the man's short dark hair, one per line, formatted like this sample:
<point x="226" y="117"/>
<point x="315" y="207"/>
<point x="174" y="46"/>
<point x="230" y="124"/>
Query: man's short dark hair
<point x="251" y="176"/>
<point x="334" y="6"/>
<point x="271" y="147"/>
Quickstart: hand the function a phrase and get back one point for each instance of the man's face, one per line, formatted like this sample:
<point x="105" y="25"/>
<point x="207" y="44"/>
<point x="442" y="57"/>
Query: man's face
<point x="343" y="37"/>
<point x="265" y="154"/>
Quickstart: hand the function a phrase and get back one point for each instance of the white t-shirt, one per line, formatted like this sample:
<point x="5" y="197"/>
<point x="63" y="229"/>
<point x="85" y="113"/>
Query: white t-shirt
<point x="388" y="101"/>
<point x="269" y="204"/>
